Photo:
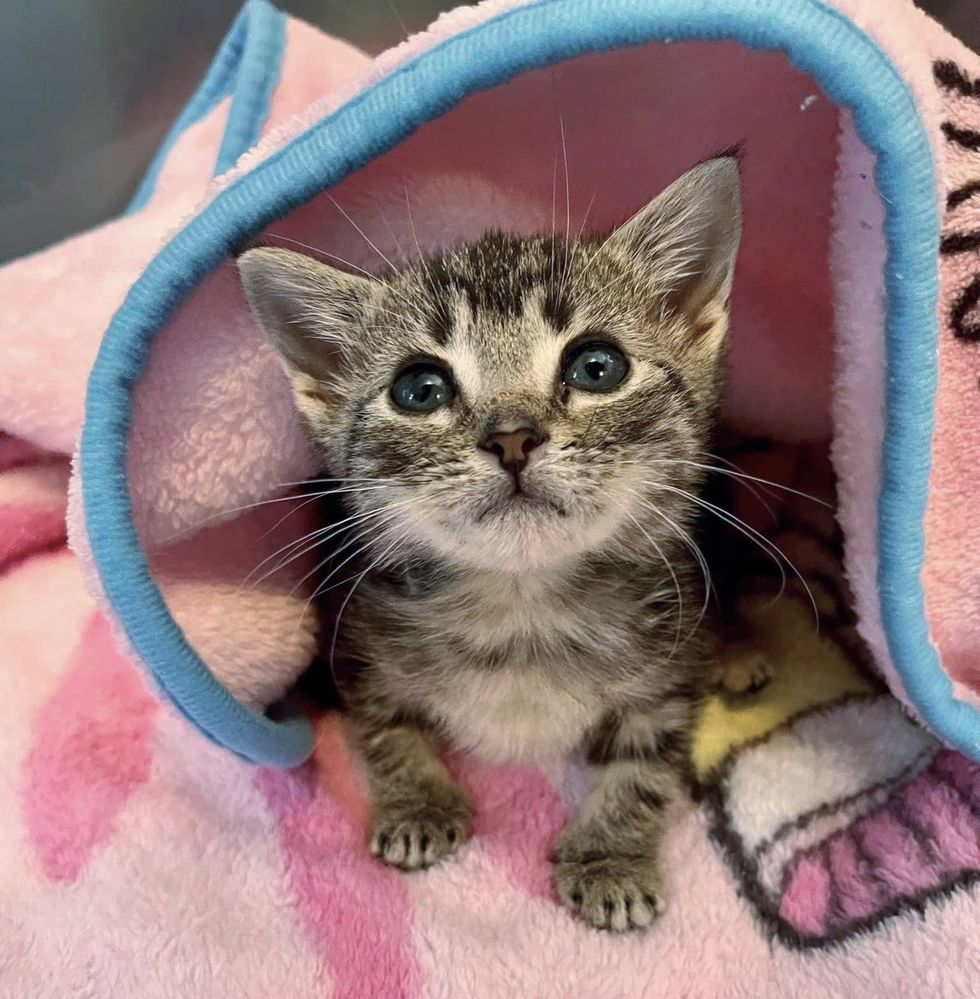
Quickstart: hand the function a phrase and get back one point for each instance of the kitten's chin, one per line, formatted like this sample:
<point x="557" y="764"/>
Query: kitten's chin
<point x="525" y="533"/>
<point x="519" y="511"/>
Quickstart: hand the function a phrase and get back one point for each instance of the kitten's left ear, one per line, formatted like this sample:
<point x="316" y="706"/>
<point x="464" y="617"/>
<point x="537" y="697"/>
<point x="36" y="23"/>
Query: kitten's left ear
<point x="687" y="239"/>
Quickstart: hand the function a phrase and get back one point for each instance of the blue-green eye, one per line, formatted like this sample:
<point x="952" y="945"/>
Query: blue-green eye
<point x="595" y="367"/>
<point x="422" y="388"/>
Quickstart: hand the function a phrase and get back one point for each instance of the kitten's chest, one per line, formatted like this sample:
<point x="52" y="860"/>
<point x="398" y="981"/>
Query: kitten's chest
<point x="516" y="713"/>
<point x="528" y="669"/>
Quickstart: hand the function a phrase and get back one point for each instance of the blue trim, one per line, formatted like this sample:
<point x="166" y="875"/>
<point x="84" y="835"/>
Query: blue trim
<point x="247" y="66"/>
<point x="853" y="72"/>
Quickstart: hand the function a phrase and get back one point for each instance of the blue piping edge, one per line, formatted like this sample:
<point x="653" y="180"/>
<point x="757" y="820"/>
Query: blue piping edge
<point x="818" y="39"/>
<point x="247" y="66"/>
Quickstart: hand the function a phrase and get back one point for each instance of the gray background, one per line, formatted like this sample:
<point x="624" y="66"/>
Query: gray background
<point x="90" y="86"/>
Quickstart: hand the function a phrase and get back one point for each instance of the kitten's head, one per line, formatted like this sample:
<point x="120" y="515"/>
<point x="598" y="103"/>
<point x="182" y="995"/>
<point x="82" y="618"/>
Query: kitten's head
<point x="516" y="403"/>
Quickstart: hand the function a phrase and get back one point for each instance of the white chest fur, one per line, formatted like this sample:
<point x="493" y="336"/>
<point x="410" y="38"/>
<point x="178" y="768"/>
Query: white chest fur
<point x="515" y="714"/>
<point x="527" y="692"/>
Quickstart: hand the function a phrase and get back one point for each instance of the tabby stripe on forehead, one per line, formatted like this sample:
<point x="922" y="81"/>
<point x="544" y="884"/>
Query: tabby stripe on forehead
<point x="558" y="310"/>
<point x="442" y="287"/>
<point x="440" y="325"/>
<point x="501" y="289"/>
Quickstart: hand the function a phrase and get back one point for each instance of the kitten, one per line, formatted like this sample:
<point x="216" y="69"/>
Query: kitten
<point x="519" y="423"/>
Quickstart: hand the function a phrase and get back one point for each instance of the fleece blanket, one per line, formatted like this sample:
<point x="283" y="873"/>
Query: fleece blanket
<point x="833" y="850"/>
<point x="833" y="846"/>
<point x="853" y="312"/>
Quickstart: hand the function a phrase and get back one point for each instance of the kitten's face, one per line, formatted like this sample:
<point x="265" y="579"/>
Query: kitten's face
<point x="517" y="403"/>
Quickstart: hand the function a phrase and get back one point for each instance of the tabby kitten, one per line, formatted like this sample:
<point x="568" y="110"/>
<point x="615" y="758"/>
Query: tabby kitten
<point x="514" y="420"/>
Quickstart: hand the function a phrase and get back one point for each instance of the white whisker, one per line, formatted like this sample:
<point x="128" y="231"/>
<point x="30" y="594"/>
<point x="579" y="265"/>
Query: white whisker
<point x="712" y="470"/>
<point x="398" y="246"/>
<point x="673" y="576"/>
<point x="568" y="196"/>
<point x="343" y="606"/>
<point x="361" y="232"/>
<point x="415" y="233"/>
<point x="554" y="215"/>
<point x="319" y="536"/>
<point x="585" y="217"/>
<point x="312" y="498"/>
<point x="223" y="515"/>
<point x="345" y="478"/>
<point x="695" y="550"/>
<point x="737" y="473"/>
<point x="313" y="316"/>
<point x="387" y="517"/>
<point x="761" y="540"/>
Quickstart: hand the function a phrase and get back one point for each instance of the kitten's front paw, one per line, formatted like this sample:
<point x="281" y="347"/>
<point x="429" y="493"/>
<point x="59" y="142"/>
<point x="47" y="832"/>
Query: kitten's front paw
<point x="412" y="835"/>
<point x="608" y="891"/>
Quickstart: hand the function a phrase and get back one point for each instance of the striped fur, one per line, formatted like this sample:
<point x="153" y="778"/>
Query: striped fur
<point x="521" y="625"/>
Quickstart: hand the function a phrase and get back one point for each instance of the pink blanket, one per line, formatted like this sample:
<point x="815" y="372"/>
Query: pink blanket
<point x="835" y="848"/>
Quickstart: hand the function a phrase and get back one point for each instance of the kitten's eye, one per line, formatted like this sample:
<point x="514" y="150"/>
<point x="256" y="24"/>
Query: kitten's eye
<point x="422" y="388"/>
<point x="595" y="367"/>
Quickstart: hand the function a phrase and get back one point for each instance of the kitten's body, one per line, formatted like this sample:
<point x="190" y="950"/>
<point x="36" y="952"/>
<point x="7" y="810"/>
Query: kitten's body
<point x="520" y="667"/>
<point x="523" y="584"/>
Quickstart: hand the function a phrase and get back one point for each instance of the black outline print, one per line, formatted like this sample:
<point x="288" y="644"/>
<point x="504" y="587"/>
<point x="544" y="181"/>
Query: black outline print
<point x="964" y="318"/>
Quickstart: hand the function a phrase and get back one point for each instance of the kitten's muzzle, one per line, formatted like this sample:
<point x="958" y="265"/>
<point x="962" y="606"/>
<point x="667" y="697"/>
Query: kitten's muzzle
<point x="512" y="449"/>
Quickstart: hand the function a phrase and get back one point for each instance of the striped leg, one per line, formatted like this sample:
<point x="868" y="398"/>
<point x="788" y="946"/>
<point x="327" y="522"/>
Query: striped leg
<point x="418" y="813"/>
<point x="607" y="865"/>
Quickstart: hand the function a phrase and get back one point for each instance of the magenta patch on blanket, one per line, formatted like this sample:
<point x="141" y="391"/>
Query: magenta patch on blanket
<point x="15" y="453"/>
<point x="91" y="751"/>
<point x="925" y="837"/>
<point x="346" y="899"/>
<point x="518" y="817"/>
<point x="356" y="912"/>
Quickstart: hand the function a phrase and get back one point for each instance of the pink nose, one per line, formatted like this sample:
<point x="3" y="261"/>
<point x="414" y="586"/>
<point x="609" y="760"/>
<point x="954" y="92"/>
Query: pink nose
<point x="512" y="447"/>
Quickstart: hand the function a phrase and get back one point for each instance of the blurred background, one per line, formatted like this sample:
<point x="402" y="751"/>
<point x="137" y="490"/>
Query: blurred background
<point x="90" y="86"/>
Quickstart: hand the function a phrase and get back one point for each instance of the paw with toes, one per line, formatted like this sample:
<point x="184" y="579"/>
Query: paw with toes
<point x="418" y="837"/>
<point x="609" y="892"/>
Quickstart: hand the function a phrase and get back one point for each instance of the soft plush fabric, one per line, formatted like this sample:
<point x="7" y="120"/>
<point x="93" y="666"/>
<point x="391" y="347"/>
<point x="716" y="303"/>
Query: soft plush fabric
<point x="834" y="849"/>
<point x="833" y="846"/>
<point x="837" y="318"/>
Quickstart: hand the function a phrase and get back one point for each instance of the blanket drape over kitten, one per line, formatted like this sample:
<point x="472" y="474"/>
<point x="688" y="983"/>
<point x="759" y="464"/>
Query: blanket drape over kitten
<point x="869" y="867"/>
<point x="822" y="310"/>
<point x="919" y="124"/>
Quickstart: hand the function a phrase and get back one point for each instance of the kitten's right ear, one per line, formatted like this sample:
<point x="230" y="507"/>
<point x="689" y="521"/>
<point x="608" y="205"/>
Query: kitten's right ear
<point x="310" y="312"/>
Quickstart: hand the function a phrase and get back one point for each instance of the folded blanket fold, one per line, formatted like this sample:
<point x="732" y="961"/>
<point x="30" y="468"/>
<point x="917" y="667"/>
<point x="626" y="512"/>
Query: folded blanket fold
<point x="837" y="808"/>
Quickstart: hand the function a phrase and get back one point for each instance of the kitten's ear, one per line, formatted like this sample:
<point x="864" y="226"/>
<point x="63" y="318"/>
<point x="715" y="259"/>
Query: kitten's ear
<point x="309" y="312"/>
<point x="687" y="240"/>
